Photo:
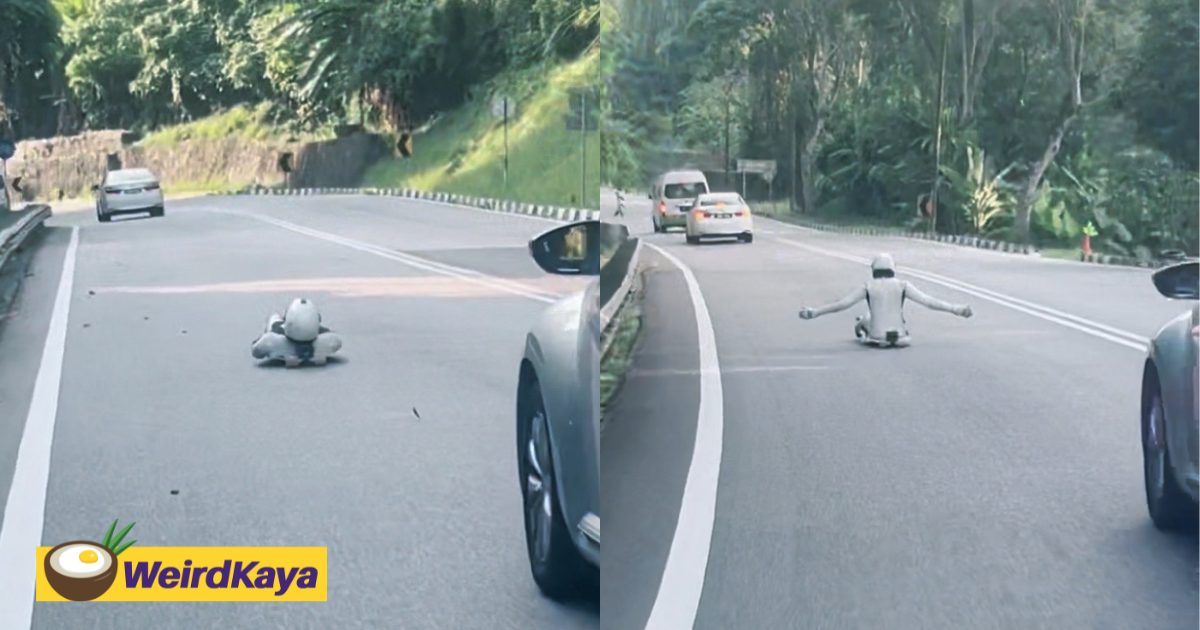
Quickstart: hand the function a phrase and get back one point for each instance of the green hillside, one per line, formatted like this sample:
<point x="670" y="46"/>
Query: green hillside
<point x="463" y="151"/>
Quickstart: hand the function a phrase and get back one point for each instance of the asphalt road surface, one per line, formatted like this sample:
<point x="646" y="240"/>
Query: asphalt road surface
<point x="163" y="417"/>
<point x="764" y="472"/>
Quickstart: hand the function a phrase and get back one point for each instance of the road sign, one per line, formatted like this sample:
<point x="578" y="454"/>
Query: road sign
<point x="575" y="123"/>
<point x="583" y="102"/>
<point x="578" y="97"/>
<point x="761" y="167"/>
<point x="7" y="149"/>
<point x="498" y="107"/>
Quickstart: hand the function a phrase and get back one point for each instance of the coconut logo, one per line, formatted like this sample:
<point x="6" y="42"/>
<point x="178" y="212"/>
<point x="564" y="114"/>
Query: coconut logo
<point x="82" y="570"/>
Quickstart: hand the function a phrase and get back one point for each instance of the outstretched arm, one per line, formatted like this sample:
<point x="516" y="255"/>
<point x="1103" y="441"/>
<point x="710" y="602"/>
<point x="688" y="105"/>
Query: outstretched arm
<point x="858" y="295"/>
<point x="930" y="302"/>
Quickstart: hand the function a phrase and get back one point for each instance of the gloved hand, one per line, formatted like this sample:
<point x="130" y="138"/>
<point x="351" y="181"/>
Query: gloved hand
<point x="807" y="313"/>
<point x="965" y="312"/>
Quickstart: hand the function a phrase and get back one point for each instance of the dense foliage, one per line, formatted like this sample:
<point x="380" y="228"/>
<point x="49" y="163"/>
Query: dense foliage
<point x="67" y="65"/>
<point x="1023" y="119"/>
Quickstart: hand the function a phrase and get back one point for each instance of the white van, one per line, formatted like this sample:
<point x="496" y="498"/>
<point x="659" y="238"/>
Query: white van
<point x="673" y="193"/>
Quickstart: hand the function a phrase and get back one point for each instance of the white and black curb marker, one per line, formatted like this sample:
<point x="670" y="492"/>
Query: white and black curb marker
<point x="554" y="213"/>
<point x="980" y="243"/>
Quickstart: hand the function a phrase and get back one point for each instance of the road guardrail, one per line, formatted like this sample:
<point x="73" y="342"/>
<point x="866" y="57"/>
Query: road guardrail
<point x="12" y="236"/>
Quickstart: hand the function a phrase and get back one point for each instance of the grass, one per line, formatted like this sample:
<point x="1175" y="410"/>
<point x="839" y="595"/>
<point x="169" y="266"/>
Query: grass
<point x="619" y="358"/>
<point x="463" y="152"/>
<point x="779" y="210"/>
<point x="184" y="187"/>
<point x="1060" y="253"/>
<point x="250" y="123"/>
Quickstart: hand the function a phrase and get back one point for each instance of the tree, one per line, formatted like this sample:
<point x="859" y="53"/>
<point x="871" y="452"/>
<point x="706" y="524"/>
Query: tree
<point x="1162" y="89"/>
<point x="1081" y="61"/>
<point x="28" y="73"/>
<point x="802" y="58"/>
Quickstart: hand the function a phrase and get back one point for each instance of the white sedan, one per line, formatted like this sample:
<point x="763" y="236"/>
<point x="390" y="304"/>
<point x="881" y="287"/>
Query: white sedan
<point x="128" y="191"/>
<point x="719" y="215"/>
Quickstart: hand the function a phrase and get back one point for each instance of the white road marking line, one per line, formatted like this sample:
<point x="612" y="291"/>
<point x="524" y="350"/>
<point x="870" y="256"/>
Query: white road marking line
<point x="494" y="212"/>
<point x="461" y="273"/>
<point x="1075" y="318"/>
<point x="678" y="598"/>
<point x="1038" y="257"/>
<point x="731" y="370"/>
<point x="1108" y="333"/>
<point x="25" y="510"/>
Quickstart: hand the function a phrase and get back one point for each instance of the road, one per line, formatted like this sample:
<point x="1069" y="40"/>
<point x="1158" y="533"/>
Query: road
<point x="763" y="472"/>
<point x="164" y="419"/>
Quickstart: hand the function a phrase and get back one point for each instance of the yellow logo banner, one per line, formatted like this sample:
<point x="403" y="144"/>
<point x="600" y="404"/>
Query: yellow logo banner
<point x="86" y="571"/>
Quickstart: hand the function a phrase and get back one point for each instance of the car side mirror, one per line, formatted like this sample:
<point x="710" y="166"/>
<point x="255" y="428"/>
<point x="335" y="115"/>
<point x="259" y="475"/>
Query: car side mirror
<point x="1179" y="282"/>
<point x="569" y="250"/>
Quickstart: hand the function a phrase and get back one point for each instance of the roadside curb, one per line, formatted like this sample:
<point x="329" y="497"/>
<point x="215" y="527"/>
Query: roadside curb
<point x="631" y="300"/>
<point x="949" y="239"/>
<point x="610" y="312"/>
<point x="554" y="213"/>
<point x="13" y="236"/>
<point x="974" y="241"/>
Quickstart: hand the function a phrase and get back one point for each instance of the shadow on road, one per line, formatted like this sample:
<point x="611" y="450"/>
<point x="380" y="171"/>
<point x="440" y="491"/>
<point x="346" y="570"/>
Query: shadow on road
<point x="1181" y="550"/>
<point x="278" y="364"/>
<point x="130" y="217"/>
<point x="587" y="601"/>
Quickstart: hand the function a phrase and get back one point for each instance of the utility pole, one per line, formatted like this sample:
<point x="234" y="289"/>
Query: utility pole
<point x="584" y="129"/>
<point x="792" y="162"/>
<point x="727" y="135"/>
<point x="937" y="143"/>
<point x="506" y="143"/>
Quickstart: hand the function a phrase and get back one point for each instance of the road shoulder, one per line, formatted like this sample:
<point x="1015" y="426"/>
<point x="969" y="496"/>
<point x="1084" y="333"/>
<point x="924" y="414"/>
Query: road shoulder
<point x="647" y="447"/>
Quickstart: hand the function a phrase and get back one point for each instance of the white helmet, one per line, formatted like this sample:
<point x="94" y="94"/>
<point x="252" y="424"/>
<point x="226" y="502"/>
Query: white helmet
<point x="302" y="322"/>
<point x="883" y="262"/>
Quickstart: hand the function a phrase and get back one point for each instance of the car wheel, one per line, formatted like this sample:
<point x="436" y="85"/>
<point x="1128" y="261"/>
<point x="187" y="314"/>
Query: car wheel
<point x="101" y="216"/>
<point x="693" y="240"/>
<point x="558" y="568"/>
<point x="1170" y="507"/>
<point x="157" y="212"/>
<point x="747" y="238"/>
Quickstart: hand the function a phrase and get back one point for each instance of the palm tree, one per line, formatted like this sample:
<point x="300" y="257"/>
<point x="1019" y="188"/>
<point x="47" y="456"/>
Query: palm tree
<point x="331" y="32"/>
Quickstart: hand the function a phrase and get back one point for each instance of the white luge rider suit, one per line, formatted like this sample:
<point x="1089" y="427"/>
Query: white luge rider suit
<point x="885" y="296"/>
<point x="296" y="336"/>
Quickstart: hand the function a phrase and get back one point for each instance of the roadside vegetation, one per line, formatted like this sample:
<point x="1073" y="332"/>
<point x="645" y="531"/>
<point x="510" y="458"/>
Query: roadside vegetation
<point x="1014" y="120"/>
<point x="618" y="359"/>
<point x="275" y="70"/>
<point x="463" y="151"/>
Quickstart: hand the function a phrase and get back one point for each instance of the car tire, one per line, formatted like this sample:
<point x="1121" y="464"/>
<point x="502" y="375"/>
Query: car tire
<point x="558" y="568"/>
<point x="101" y="216"/>
<point x="747" y="238"/>
<point x="1171" y="509"/>
<point x="157" y="212"/>
<point x="693" y="240"/>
